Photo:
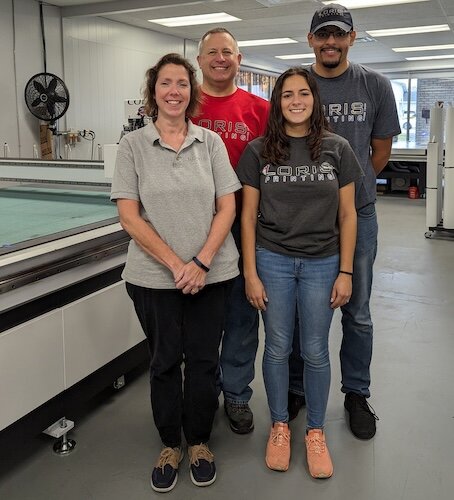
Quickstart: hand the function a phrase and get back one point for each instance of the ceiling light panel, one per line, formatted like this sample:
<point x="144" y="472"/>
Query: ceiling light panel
<point x="267" y="41"/>
<point x="424" y="47"/>
<point x="296" y="56"/>
<point x="427" y="58"/>
<point x="411" y="30"/>
<point x="273" y="3"/>
<point x="364" y="4"/>
<point x="215" y="18"/>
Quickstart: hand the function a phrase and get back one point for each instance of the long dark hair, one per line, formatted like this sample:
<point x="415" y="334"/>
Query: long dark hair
<point x="276" y="143"/>
<point x="151" y="75"/>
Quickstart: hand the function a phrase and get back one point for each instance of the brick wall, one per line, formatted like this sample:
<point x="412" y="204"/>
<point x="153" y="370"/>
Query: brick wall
<point x="429" y="91"/>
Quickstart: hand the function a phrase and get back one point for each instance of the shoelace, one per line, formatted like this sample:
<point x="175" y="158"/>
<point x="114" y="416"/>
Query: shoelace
<point x="316" y="444"/>
<point x="200" y="452"/>
<point x="239" y="409"/>
<point x="169" y="456"/>
<point x="280" y="438"/>
<point x="366" y="406"/>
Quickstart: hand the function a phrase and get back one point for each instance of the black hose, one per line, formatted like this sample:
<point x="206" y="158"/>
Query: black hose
<point x="41" y="18"/>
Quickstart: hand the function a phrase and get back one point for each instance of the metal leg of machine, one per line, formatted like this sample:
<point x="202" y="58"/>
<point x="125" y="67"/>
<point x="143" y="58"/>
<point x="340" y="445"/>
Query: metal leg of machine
<point x="59" y="430"/>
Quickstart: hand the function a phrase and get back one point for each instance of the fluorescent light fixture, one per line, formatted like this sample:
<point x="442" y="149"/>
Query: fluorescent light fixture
<point x="412" y="30"/>
<point x="215" y="18"/>
<point x="364" y="4"/>
<point x="424" y="47"/>
<point x="296" y="56"/>
<point x="427" y="58"/>
<point x="267" y="41"/>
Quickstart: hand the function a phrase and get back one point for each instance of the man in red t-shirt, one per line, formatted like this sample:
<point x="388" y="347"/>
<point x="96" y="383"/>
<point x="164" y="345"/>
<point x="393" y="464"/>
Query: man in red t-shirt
<point x="238" y="117"/>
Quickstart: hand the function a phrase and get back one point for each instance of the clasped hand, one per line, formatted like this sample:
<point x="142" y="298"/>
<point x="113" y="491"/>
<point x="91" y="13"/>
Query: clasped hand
<point x="190" y="278"/>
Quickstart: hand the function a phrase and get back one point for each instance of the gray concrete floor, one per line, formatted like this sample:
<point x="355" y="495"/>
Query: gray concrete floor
<point x="410" y="458"/>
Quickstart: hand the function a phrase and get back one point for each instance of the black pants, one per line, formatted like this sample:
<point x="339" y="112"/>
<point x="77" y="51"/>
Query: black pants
<point x="182" y="328"/>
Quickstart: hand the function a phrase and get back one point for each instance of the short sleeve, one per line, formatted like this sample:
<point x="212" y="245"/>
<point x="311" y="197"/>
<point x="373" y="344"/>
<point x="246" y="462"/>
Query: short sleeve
<point x="225" y="178"/>
<point x="386" y="123"/>
<point x="125" y="179"/>
<point x="350" y="170"/>
<point x="248" y="169"/>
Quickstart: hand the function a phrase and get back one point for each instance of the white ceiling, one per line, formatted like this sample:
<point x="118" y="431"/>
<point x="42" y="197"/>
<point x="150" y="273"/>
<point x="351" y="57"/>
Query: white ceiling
<point x="290" y="18"/>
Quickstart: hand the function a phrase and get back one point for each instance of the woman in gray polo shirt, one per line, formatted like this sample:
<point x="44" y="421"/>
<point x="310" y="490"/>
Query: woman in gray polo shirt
<point x="174" y="187"/>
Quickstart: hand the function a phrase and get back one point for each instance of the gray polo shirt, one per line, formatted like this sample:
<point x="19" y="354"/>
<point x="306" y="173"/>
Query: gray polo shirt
<point x="177" y="191"/>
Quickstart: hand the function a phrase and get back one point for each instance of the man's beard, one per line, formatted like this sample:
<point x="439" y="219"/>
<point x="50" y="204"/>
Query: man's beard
<point x="331" y="64"/>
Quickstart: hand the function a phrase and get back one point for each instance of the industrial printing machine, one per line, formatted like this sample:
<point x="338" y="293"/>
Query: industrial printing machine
<point x="67" y="326"/>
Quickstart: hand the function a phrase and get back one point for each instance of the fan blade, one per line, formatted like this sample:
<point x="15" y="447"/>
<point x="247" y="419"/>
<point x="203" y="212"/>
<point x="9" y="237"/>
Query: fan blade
<point x="36" y="102"/>
<point x="52" y="85"/>
<point x="39" y="87"/>
<point x="60" y="98"/>
<point x="51" y="108"/>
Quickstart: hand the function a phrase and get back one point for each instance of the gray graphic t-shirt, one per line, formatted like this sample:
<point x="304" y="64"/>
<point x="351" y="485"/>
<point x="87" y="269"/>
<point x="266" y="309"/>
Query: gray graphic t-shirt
<point x="359" y="105"/>
<point x="299" y="199"/>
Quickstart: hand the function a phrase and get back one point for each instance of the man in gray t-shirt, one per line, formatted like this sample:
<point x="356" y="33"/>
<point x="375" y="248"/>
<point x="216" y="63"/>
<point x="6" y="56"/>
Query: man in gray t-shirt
<point x="360" y="106"/>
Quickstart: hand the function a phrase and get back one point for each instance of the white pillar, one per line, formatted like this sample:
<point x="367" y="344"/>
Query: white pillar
<point x="432" y="218"/>
<point x="448" y="198"/>
<point x="437" y="135"/>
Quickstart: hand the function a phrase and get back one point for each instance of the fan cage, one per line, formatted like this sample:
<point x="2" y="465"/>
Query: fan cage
<point x="47" y="96"/>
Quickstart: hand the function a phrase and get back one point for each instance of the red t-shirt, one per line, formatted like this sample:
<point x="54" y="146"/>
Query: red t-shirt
<point x="237" y="118"/>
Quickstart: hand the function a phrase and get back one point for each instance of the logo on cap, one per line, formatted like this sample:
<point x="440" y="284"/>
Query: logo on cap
<point x="332" y="15"/>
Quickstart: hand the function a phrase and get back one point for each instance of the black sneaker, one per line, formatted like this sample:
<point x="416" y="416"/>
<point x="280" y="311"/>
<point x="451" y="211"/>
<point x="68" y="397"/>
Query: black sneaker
<point x="201" y="463"/>
<point x="362" y="416"/>
<point x="240" y="417"/>
<point x="165" y="474"/>
<point x="295" y="403"/>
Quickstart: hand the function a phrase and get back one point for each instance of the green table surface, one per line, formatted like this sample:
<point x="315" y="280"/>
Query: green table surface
<point x="28" y="213"/>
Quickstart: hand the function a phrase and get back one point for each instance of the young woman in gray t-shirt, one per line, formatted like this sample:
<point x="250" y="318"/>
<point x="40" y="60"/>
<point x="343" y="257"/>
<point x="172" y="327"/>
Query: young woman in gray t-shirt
<point x="298" y="252"/>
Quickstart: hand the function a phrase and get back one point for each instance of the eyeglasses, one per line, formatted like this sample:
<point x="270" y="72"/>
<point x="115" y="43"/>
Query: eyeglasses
<point x="338" y="35"/>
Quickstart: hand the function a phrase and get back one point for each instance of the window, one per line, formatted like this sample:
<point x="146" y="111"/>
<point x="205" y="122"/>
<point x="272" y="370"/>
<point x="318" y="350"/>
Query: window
<point x="414" y="99"/>
<point x="256" y="83"/>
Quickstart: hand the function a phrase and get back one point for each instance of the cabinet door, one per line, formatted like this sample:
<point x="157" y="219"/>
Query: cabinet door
<point x="97" y="329"/>
<point x="31" y="366"/>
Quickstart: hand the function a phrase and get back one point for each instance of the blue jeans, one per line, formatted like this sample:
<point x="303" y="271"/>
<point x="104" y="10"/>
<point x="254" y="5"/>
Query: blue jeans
<point x="356" y="349"/>
<point x="241" y="338"/>
<point x="302" y="285"/>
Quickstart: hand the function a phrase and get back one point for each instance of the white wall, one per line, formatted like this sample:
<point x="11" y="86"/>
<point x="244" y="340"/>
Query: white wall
<point x="105" y="63"/>
<point x="21" y="56"/>
<point x="102" y="63"/>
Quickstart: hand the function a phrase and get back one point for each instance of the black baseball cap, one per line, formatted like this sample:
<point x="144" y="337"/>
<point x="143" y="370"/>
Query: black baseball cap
<point x="332" y="15"/>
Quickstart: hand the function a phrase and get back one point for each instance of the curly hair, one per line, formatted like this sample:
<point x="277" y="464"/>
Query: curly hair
<point x="151" y="77"/>
<point x="276" y="142"/>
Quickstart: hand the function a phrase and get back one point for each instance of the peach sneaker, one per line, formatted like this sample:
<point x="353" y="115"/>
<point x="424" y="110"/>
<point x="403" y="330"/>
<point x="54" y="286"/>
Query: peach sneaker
<point x="278" y="447"/>
<point x="318" y="457"/>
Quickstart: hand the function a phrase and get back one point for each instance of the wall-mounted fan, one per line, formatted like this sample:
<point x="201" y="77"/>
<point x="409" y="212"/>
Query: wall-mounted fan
<point x="47" y="97"/>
